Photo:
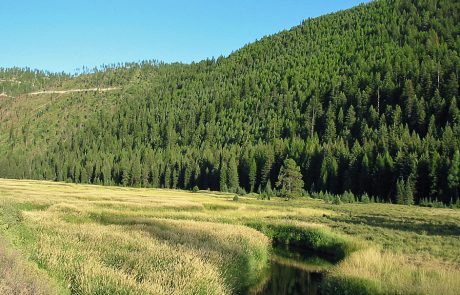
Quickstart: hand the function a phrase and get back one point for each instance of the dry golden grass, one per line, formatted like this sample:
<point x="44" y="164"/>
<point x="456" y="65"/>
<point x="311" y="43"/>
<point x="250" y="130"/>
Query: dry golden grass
<point x="133" y="253"/>
<point x="394" y="272"/>
<point x="105" y="240"/>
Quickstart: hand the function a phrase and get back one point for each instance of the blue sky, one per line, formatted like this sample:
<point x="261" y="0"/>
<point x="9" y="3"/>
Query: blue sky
<point x="68" y="34"/>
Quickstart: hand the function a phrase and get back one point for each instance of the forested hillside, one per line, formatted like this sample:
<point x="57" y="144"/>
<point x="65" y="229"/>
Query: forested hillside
<point x="364" y="100"/>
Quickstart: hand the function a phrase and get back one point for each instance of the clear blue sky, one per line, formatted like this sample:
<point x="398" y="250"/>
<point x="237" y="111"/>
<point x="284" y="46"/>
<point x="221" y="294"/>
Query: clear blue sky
<point x="67" y="34"/>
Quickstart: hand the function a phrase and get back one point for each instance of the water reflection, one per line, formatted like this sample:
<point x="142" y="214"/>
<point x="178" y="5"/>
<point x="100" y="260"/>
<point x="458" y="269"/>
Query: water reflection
<point x="292" y="273"/>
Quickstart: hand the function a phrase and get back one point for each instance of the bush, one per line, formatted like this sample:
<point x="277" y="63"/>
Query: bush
<point x="348" y="197"/>
<point x="263" y="196"/>
<point x="336" y="200"/>
<point x="195" y="189"/>
<point x="457" y="204"/>
<point x="365" y="199"/>
<point x="431" y="204"/>
<point x="240" y="191"/>
<point x="305" y="194"/>
<point x="236" y="198"/>
<point x="285" y="194"/>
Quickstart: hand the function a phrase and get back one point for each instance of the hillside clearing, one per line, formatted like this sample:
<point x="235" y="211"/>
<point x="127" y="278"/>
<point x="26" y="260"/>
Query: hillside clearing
<point x="73" y="90"/>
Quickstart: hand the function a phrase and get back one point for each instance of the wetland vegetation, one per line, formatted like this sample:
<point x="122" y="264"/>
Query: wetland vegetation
<point x="112" y="240"/>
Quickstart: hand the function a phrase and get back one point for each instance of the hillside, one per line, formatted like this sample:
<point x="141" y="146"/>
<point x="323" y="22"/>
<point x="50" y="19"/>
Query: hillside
<point x="364" y="100"/>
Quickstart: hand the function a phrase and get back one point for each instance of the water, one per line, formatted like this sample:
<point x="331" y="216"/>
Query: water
<point x="292" y="272"/>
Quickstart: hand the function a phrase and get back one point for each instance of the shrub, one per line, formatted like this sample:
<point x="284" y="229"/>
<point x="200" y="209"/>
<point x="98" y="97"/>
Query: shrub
<point x="336" y="200"/>
<point x="241" y="191"/>
<point x="365" y="198"/>
<point x="305" y="194"/>
<point x="236" y="198"/>
<point x="195" y="189"/>
<point x="431" y="204"/>
<point x="348" y="197"/>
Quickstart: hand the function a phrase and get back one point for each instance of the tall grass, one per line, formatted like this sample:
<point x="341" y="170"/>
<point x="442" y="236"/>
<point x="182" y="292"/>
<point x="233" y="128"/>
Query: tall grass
<point x="143" y="256"/>
<point x="374" y="271"/>
<point x="106" y="240"/>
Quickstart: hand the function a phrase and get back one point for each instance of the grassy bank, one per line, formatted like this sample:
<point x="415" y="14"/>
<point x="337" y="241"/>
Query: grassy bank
<point x="101" y="240"/>
<point x="309" y="236"/>
<point x="373" y="271"/>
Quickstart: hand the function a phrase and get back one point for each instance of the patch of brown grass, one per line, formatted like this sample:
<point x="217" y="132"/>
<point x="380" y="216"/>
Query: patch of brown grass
<point x="17" y="276"/>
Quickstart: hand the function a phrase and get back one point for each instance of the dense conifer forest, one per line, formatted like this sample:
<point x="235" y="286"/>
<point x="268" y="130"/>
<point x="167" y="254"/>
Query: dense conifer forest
<point x="364" y="101"/>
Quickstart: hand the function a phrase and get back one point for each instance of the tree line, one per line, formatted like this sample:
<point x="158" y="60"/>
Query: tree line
<point x="363" y="101"/>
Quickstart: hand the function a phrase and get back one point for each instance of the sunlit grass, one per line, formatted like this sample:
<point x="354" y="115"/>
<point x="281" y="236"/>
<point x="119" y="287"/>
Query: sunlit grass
<point x="105" y="240"/>
<point x="384" y="272"/>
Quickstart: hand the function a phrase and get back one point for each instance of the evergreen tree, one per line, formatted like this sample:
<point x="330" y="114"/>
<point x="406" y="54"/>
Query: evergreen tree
<point x="400" y="191"/>
<point x="453" y="177"/>
<point x="136" y="173"/>
<point x="252" y="174"/>
<point x="290" y="179"/>
<point x="268" y="189"/>
<point x="232" y="175"/>
<point x="409" y="193"/>
<point x="83" y="176"/>
<point x="223" y="179"/>
<point x="404" y="192"/>
<point x="125" y="176"/>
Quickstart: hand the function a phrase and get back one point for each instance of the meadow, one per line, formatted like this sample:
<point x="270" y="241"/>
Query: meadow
<point x="61" y="238"/>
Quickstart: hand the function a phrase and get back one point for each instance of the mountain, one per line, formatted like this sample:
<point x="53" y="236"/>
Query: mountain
<point x="364" y="100"/>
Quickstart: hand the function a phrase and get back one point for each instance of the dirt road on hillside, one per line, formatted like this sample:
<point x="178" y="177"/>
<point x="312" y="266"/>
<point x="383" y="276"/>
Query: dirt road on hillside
<point x="73" y="90"/>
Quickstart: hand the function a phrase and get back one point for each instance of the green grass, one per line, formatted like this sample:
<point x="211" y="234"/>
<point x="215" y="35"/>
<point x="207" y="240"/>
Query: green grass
<point x="102" y="240"/>
<point x="311" y="236"/>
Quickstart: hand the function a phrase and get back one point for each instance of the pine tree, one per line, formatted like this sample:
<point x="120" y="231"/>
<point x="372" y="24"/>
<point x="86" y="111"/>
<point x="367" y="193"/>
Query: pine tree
<point x="174" y="177"/>
<point x="269" y="158"/>
<point x="84" y="176"/>
<point x="268" y="189"/>
<point x="409" y="193"/>
<point x="400" y="191"/>
<point x="145" y="175"/>
<point x="404" y="192"/>
<point x="223" y="177"/>
<point x="252" y="174"/>
<point x="232" y="174"/>
<point x="453" y="177"/>
<point x="125" y="176"/>
<point x="290" y="179"/>
<point x="136" y="173"/>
